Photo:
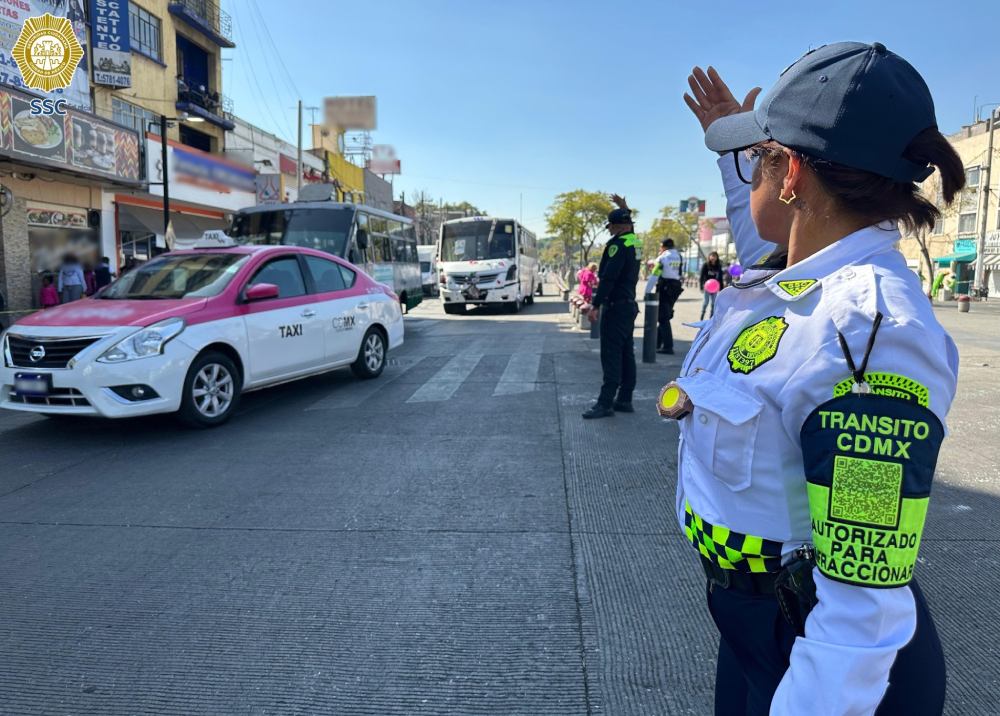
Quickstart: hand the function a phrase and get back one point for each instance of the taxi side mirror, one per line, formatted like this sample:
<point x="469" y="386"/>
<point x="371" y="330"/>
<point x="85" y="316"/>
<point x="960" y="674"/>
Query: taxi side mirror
<point x="261" y="292"/>
<point x="362" y="239"/>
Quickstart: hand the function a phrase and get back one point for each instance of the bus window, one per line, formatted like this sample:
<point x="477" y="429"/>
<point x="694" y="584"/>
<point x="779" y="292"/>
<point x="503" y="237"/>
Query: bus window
<point x="395" y="228"/>
<point x="378" y="225"/>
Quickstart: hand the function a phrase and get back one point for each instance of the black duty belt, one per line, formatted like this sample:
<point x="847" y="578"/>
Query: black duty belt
<point x="747" y="582"/>
<point x="621" y="302"/>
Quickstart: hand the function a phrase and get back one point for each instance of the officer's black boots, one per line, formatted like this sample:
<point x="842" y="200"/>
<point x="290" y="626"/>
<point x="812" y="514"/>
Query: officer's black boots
<point x="599" y="410"/>
<point x="623" y="406"/>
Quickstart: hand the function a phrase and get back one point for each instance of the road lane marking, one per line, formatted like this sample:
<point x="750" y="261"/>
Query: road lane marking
<point x="443" y="384"/>
<point x="354" y="394"/>
<point x="520" y="374"/>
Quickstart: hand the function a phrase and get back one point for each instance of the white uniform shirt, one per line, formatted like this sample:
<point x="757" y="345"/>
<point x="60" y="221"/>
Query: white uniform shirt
<point x="740" y="458"/>
<point x="670" y="263"/>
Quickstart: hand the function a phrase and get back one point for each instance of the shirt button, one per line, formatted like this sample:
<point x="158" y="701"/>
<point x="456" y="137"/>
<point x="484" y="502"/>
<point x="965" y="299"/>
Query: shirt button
<point x="702" y="419"/>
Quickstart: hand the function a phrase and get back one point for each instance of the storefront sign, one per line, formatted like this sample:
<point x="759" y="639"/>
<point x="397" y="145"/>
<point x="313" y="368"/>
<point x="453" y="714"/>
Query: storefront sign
<point x="993" y="242"/>
<point x="112" y="59"/>
<point x="12" y="18"/>
<point x="964" y="246"/>
<point x="51" y="215"/>
<point x="77" y="141"/>
<point x="199" y="177"/>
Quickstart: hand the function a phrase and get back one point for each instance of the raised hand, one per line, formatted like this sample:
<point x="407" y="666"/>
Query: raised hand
<point x="710" y="98"/>
<point x="619" y="201"/>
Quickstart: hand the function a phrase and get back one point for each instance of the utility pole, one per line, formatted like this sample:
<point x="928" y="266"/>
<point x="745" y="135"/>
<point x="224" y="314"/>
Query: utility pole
<point x="298" y="163"/>
<point x="977" y="280"/>
<point x="166" y="178"/>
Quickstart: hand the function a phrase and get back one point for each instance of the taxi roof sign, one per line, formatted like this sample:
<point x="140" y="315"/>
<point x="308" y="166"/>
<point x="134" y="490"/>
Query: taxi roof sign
<point x="211" y="239"/>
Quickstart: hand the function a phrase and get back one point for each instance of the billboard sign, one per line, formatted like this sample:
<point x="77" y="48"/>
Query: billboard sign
<point x="199" y="177"/>
<point x="110" y="56"/>
<point x="12" y="21"/>
<point x="347" y="113"/>
<point x="383" y="160"/>
<point x="692" y="206"/>
<point x="73" y="141"/>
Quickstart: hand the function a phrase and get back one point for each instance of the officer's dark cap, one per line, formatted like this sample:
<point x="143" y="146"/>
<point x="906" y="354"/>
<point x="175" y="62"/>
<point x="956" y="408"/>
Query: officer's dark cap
<point x="620" y="216"/>
<point x="667" y="243"/>
<point x="849" y="103"/>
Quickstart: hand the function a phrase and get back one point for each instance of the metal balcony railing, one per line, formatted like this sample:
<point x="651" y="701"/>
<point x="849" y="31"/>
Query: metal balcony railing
<point x="214" y="102"/>
<point x="210" y="14"/>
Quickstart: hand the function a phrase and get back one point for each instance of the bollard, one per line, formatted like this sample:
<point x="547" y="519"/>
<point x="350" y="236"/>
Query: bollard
<point x="649" y="328"/>
<point x="595" y="328"/>
<point x="963" y="304"/>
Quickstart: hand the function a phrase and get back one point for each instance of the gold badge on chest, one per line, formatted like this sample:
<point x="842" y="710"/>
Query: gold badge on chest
<point x="756" y="344"/>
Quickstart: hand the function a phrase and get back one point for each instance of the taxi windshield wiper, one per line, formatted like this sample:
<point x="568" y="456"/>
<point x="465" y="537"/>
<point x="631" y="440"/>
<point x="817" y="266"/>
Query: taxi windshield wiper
<point x="146" y="297"/>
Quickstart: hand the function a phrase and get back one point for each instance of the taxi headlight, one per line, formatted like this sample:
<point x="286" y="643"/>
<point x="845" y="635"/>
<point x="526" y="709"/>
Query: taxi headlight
<point x="147" y="342"/>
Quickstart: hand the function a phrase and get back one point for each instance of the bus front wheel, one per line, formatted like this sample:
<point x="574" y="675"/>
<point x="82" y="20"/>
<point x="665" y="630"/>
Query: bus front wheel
<point x="454" y="309"/>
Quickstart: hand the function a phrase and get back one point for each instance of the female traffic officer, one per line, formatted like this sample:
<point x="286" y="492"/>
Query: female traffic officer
<point x="811" y="406"/>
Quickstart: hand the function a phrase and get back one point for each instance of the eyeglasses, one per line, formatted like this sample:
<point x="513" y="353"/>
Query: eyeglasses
<point x="753" y="155"/>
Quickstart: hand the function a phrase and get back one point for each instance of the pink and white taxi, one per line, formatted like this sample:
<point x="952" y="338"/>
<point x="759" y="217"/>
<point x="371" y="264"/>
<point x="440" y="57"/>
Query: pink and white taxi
<point x="189" y="331"/>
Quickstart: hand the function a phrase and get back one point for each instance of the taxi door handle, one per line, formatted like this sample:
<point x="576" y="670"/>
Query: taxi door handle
<point x="362" y="306"/>
<point x="308" y="313"/>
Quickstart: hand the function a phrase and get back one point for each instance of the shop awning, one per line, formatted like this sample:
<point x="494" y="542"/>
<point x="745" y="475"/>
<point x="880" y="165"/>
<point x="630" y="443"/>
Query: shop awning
<point x="962" y="258"/>
<point x="187" y="224"/>
<point x="991" y="261"/>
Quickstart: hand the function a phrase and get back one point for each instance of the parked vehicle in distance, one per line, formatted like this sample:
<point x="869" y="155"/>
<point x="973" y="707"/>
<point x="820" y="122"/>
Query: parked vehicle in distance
<point x="190" y="331"/>
<point x="428" y="269"/>
<point x="382" y="244"/>
<point x="486" y="261"/>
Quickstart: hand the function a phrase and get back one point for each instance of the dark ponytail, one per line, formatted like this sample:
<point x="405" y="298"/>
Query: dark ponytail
<point x="877" y="198"/>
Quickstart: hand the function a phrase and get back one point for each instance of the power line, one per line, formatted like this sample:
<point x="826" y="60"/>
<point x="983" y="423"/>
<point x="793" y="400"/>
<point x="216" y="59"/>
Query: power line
<point x="267" y="67"/>
<point x="274" y="47"/>
<point x="279" y="129"/>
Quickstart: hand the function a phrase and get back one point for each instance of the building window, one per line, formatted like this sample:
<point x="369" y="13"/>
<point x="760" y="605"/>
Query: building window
<point x="972" y="177"/>
<point x="145" y="32"/>
<point x="967" y="223"/>
<point x="138" y="118"/>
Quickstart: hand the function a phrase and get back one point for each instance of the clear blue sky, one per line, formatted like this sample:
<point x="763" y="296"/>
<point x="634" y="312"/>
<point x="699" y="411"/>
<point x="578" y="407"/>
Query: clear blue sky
<point x="486" y="101"/>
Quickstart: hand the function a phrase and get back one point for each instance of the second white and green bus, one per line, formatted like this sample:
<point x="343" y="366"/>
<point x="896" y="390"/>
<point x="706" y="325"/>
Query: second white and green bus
<point x="485" y="261"/>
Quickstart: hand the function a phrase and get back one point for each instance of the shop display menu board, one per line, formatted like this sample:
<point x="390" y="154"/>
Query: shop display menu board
<point x="76" y="141"/>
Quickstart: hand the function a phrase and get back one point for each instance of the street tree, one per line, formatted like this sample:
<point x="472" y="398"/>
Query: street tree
<point x="670" y="224"/>
<point x="578" y="217"/>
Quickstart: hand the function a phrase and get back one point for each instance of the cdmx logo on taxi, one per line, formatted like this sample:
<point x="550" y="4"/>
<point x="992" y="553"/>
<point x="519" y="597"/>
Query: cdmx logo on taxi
<point x="47" y="53"/>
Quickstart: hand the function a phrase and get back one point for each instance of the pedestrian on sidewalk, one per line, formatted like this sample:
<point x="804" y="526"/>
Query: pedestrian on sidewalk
<point x="71" y="281"/>
<point x="102" y="273"/>
<point x="614" y="305"/>
<point x="588" y="281"/>
<point x="670" y="289"/>
<point x="48" y="296"/>
<point x="711" y="269"/>
<point x="812" y="413"/>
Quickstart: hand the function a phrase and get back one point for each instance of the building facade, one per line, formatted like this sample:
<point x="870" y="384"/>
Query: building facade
<point x="952" y="243"/>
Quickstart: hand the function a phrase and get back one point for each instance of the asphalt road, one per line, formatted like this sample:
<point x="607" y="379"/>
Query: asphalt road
<point x="448" y="539"/>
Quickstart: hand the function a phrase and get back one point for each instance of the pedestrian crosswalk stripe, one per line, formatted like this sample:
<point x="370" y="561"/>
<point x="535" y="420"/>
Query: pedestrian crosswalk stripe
<point x="520" y="374"/>
<point x="353" y="395"/>
<point x="443" y="384"/>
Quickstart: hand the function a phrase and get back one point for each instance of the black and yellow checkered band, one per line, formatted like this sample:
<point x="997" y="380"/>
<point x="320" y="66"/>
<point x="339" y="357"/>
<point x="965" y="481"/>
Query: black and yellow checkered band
<point x="730" y="549"/>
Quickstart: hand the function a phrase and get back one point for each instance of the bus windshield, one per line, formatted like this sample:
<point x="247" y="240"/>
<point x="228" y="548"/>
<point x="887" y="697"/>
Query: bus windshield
<point x="322" y="229"/>
<point x="477" y="240"/>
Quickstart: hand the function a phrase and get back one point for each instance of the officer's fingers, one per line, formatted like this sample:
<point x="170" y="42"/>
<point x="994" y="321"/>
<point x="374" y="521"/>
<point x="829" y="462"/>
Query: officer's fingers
<point x="694" y="107"/>
<point x="750" y="99"/>
<point x="719" y="89"/>
<point x="697" y="91"/>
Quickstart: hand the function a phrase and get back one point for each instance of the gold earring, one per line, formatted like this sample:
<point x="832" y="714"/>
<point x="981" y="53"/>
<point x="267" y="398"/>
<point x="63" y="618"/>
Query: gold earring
<point x="789" y="200"/>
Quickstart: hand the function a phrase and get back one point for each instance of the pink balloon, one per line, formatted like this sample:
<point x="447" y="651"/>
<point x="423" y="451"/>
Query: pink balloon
<point x="712" y="286"/>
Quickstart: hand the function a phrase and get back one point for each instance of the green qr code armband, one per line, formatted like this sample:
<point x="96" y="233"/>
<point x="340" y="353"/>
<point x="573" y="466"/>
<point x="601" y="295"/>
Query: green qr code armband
<point x="869" y="463"/>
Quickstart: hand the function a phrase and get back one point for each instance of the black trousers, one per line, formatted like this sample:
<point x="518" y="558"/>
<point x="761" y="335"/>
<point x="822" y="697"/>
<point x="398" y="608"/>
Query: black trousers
<point x="618" y="352"/>
<point x="669" y="290"/>
<point x="756" y="642"/>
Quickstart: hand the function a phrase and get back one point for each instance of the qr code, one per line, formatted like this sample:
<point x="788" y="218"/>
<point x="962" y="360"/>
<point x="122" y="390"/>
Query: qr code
<point x="866" y="491"/>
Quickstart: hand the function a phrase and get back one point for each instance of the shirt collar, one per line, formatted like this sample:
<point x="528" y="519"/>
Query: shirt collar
<point x="803" y="278"/>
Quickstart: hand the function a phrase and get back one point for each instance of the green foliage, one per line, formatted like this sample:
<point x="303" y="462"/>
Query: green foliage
<point x="670" y="224"/>
<point x="576" y="219"/>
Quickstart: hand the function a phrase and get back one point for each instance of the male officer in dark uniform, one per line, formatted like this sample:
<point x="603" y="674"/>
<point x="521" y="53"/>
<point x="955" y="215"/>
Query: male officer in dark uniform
<point x="614" y="305"/>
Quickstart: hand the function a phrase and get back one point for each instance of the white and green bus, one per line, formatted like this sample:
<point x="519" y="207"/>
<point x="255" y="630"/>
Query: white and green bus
<point x="380" y="243"/>
<point x="487" y="261"/>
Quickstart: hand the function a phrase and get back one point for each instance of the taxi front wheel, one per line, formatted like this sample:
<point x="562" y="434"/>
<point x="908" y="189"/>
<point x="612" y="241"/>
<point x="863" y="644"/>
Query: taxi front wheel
<point x="211" y="391"/>
<point x="371" y="356"/>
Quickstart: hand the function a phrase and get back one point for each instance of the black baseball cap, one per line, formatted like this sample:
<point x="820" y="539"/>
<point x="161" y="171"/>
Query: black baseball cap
<point x="620" y="216"/>
<point x="850" y="103"/>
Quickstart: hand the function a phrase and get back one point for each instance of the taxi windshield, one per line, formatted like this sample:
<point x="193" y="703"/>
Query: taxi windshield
<point x="180" y="276"/>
